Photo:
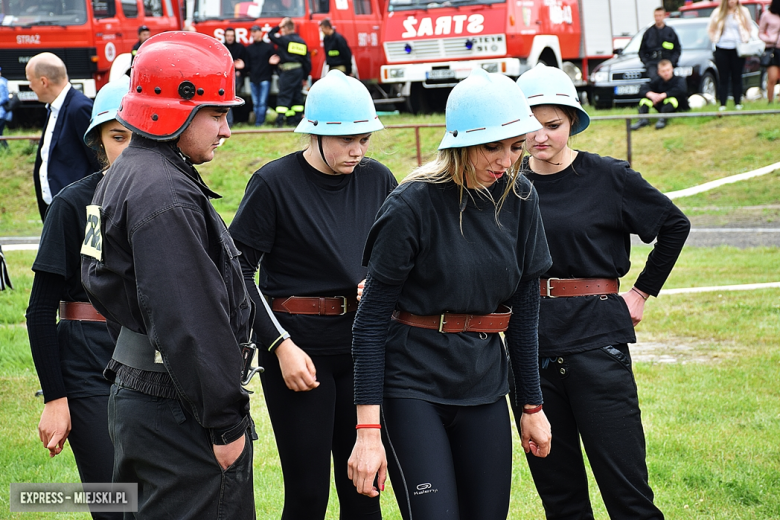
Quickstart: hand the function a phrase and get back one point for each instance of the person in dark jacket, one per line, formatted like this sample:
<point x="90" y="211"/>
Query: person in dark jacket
<point x="337" y="52"/>
<point x="659" y="42"/>
<point x="260" y="70"/>
<point x="159" y="264"/>
<point x="62" y="156"/>
<point x="666" y="93"/>
<point x="238" y="52"/>
<point x="143" y="34"/>
<point x="294" y="66"/>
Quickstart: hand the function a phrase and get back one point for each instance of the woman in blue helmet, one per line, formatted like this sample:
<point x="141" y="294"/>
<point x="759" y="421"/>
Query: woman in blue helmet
<point x="453" y="259"/>
<point x="303" y="221"/>
<point x="590" y="206"/>
<point x="70" y="355"/>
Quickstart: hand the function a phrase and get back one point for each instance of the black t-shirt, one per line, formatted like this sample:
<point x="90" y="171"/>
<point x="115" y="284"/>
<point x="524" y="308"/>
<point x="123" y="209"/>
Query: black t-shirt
<point x="418" y="241"/>
<point x="312" y="228"/>
<point x="590" y="209"/>
<point x="85" y="347"/>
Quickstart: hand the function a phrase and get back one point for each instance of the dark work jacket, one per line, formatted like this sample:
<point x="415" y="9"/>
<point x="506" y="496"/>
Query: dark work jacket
<point x="288" y="48"/>
<point x="70" y="159"/>
<point x="258" y="54"/>
<point x="652" y="49"/>
<point x="337" y="51"/>
<point x="170" y="270"/>
<point x="676" y="87"/>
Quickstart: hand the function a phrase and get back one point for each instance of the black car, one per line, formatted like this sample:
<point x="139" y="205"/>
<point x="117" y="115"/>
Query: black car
<point x="617" y="81"/>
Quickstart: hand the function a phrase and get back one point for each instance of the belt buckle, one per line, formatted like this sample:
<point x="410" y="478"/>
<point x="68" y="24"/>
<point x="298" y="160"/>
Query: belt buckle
<point x="343" y="305"/>
<point x="441" y="323"/>
<point x="549" y="287"/>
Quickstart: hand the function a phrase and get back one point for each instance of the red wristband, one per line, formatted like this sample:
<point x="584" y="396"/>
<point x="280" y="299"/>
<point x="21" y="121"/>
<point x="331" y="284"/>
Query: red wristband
<point x="535" y="409"/>
<point x="374" y="426"/>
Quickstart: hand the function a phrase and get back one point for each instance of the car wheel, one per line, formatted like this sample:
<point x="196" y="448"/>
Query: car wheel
<point x="709" y="85"/>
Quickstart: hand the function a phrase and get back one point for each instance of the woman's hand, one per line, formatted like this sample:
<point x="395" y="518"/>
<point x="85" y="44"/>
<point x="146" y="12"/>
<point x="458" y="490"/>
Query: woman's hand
<point x="298" y="370"/>
<point x="361" y="286"/>
<point x="368" y="460"/>
<point x="54" y="427"/>
<point x="536" y="434"/>
<point x="635" y="301"/>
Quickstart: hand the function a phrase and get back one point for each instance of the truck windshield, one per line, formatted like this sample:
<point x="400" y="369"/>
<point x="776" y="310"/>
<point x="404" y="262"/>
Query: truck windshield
<point x="237" y="10"/>
<point x="408" y="5"/>
<point x="27" y="13"/>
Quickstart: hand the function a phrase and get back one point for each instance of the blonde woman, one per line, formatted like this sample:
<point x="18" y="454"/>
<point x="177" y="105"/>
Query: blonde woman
<point x="454" y="257"/>
<point x="729" y="25"/>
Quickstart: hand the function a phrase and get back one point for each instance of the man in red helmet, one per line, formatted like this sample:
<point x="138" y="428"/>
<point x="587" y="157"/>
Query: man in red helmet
<point x="160" y="265"/>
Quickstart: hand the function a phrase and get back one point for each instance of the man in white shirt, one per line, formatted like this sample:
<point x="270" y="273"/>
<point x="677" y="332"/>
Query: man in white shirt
<point x="62" y="156"/>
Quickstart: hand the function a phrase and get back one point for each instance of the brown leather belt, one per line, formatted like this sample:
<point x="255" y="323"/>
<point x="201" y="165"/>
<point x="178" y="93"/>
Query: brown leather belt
<point x="333" y="306"/>
<point x="565" y="287"/>
<point x="79" y="311"/>
<point x="453" y="323"/>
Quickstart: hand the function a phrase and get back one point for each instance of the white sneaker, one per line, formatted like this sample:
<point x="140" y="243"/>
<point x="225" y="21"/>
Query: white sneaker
<point x="738" y="107"/>
<point x="721" y="108"/>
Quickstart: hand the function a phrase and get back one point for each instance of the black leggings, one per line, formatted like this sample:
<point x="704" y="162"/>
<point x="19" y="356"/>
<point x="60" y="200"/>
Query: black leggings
<point x="308" y="427"/>
<point x="449" y="462"/>
<point x="730" y="66"/>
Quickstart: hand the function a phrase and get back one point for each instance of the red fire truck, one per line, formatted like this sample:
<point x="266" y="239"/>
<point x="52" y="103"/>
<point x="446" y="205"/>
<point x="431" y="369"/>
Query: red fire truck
<point x="87" y="34"/>
<point x="430" y="45"/>
<point x="359" y="21"/>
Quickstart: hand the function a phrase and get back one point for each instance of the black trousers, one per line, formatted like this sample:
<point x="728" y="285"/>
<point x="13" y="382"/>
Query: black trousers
<point x="592" y="397"/>
<point x="449" y="462"/>
<point x="289" y="100"/>
<point x="160" y="445"/>
<point x="91" y="444"/>
<point x="730" y="66"/>
<point x="310" y="427"/>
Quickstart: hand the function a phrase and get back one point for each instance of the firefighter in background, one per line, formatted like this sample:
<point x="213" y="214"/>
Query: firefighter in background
<point x="666" y="93"/>
<point x="143" y="34"/>
<point x="294" y="66"/>
<point x="337" y="51"/>
<point x="660" y="42"/>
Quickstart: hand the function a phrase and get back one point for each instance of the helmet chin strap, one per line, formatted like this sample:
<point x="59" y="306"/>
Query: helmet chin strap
<point x="322" y="154"/>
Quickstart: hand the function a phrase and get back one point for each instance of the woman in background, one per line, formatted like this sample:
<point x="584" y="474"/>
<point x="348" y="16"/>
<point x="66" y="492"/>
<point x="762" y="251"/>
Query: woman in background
<point x="729" y="25"/>
<point x="769" y="32"/>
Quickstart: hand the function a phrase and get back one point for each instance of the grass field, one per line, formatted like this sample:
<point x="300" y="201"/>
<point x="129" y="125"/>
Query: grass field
<point x="712" y="417"/>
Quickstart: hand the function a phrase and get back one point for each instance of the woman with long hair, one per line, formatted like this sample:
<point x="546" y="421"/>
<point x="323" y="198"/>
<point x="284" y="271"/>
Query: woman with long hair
<point x="453" y="258"/>
<point x="729" y="25"/>
<point x="70" y="355"/>
<point x="591" y="205"/>
<point x="769" y="32"/>
<point x="303" y="221"/>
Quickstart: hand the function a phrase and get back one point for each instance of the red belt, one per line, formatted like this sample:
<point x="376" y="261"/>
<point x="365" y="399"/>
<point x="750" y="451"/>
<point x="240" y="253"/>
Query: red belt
<point x="454" y="323"/>
<point x="565" y="287"/>
<point x="333" y="306"/>
<point x="79" y="311"/>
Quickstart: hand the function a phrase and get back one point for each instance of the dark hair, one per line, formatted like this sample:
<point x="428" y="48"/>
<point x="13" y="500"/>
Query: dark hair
<point x="95" y="141"/>
<point x="229" y="29"/>
<point x="142" y="29"/>
<point x="659" y="9"/>
<point x="774" y="7"/>
<point x="326" y="23"/>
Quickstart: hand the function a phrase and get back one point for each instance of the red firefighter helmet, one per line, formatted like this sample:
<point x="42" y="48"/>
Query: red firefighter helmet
<point x="174" y="74"/>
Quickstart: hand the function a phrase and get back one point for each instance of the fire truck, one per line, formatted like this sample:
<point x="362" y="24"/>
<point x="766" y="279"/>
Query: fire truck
<point x="359" y="21"/>
<point x="87" y="34"/>
<point x="430" y="46"/>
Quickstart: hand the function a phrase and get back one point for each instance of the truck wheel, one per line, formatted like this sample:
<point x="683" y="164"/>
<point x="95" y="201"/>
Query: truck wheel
<point x="417" y="102"/>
